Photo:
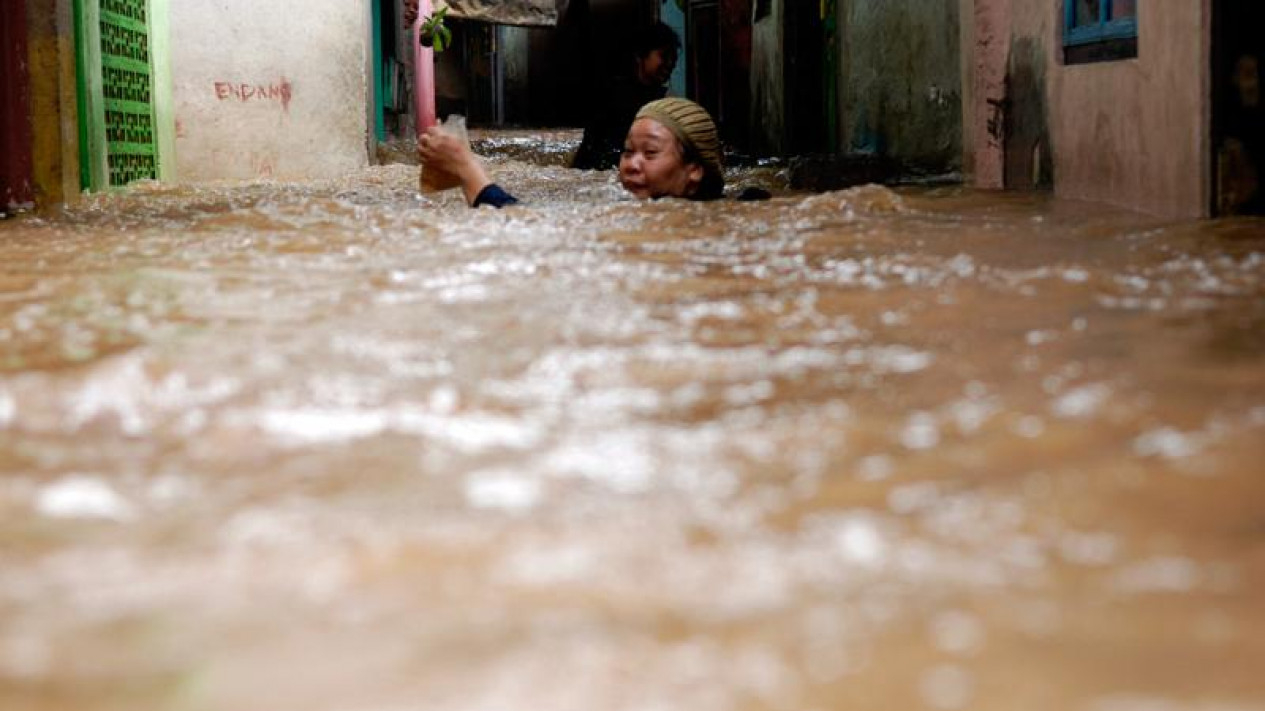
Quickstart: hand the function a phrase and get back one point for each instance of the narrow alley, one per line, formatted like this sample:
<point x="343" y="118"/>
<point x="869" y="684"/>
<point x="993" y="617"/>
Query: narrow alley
<point x="968" y="415"/>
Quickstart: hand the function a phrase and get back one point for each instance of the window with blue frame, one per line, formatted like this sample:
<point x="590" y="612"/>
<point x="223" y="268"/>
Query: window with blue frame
<point x="1100" y="30"/>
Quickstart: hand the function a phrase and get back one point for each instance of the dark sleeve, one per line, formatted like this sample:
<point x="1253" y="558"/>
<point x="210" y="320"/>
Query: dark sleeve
<point x="495" y="196"/>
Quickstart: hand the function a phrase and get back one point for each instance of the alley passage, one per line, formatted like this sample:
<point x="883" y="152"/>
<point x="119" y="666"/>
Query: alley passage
<point x="337" y="446"/>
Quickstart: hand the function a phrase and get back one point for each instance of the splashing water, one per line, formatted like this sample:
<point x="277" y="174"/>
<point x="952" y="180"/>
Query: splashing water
<point x="336" y="445"/>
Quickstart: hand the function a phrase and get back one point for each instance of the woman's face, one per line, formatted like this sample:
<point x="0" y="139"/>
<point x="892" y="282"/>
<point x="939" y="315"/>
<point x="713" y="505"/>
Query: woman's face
<point x="653" y="163"/>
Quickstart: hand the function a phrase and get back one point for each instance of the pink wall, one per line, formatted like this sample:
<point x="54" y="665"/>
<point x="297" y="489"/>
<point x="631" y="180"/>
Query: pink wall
<point x="986" y="82"/>
<point x="1135" y="132"/>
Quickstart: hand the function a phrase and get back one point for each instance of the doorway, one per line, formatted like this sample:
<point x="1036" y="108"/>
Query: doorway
<point x="1238" y="117"/>
<point x="806" y="107"/>
<point x="15" y="119"/>
<point x="717" y="44"/>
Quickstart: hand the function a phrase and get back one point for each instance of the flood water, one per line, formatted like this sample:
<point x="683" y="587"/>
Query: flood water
<point x="340" y="446"/>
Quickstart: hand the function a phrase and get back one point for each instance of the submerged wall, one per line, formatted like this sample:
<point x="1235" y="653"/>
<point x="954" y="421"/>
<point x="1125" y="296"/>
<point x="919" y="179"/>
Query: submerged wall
<point x="900" y="85"/>
<point x="768" y="94"/>
<point x="38" y="121"/>
<point x="16" y="190"/>
<point x="276" y="89"/>
<point x="1132" y="132"/>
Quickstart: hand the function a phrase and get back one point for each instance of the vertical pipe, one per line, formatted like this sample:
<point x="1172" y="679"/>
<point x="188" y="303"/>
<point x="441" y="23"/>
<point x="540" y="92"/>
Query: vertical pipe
<point x="424" y="73"/>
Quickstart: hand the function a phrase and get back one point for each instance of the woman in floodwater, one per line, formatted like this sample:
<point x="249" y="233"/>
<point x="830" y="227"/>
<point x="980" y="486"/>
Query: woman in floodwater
<point x="672" y="150"/>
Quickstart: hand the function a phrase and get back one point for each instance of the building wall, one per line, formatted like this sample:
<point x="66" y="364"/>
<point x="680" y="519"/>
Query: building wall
<point x="768" y="135"/>
<point x="966" y="62"/>
<point x="1134" y="132"/>
<point x="900" y="80"/>
<point x="38" y="123"/>
<point x="514" y="46"/>
<point x="275" y="89"/>
<point x="16" y="190"/>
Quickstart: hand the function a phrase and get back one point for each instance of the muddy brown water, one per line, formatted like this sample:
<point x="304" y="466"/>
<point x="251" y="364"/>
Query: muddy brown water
<point x="335" y="445"/>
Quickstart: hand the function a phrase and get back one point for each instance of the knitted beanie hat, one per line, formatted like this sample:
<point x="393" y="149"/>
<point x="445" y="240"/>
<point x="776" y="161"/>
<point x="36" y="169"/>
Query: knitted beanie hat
<point x="692" y="126"/>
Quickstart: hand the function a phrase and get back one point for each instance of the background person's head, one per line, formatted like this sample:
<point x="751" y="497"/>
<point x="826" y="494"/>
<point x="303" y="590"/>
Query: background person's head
<point x="1247" y="79"/>
<point x="655" y="51"/>
<point x="672" y="150"/>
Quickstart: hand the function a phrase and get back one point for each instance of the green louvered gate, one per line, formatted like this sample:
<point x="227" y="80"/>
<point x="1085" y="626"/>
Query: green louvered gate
<point x="118" y="109"/>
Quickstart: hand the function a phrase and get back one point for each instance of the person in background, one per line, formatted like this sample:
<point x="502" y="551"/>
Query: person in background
<point x="1241" y="156"/>
<point x="410" y="12"/>
<point x="671" y="150"/>
<point x="654" y="55"/>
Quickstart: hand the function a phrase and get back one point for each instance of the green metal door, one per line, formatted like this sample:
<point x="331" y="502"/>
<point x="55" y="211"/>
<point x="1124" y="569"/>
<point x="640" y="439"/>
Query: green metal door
<point x="119" y="127"/>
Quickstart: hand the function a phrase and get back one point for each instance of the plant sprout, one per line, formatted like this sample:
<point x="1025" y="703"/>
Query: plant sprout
<point x="435" y="33"/>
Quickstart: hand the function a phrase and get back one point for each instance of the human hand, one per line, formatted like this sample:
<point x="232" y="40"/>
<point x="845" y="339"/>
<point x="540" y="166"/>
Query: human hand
<point x="443" y="152"/>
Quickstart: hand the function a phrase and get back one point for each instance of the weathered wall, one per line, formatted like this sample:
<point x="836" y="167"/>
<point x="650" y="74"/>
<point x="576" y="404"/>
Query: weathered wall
<point x="1132" y="132"/>
<point x="41" y="143"/>
<point x="966" y="23"/>
<point x="984" y="110"/>
<point x="515" y="48"/>
<point x="16" y="189"/>
<point x="275" y="89"/>
<point x="900" y="80"/>
<point x="767" y="87"/>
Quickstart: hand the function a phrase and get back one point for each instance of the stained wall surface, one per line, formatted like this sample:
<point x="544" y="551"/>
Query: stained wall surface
<point x="900" y="85"/>
<point x="15" y="120"/>
<point x="768" y="93"/>
<point x="1132" y="132"/>
<point x="274" y="89"/>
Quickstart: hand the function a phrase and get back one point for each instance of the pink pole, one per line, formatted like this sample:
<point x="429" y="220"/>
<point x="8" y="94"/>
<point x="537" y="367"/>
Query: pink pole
<point x="424" y="70"/>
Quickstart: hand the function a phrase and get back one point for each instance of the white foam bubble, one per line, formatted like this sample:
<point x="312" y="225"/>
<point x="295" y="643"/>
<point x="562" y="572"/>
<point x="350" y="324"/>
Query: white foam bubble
<point x="83" y="497"/>
<point x="920" y="431"/>
<point x="957" y="632"/>
<point x="8" y="408"/>
<point x="947" y="687"/>
<point x="1166" y="443"/>
<point x="1081" y="402"/>
<point x="503" y="491"/>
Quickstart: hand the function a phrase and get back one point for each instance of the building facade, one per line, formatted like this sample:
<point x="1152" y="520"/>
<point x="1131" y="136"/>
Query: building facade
<point x="1097" y="100"/>
<point x="1146" y="104"/>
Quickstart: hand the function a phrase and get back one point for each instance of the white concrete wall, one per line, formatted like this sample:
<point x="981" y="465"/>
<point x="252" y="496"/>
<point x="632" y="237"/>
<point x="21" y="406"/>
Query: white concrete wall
<point x="270" y="89"/>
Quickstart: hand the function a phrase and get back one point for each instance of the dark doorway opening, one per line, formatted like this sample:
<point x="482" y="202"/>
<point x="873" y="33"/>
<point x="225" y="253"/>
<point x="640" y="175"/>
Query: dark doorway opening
<point x="1238" y="117"/>
<point x="566" y="65"/>
<point x="704" y="73"/>
<point x="16" y="167"/>
<point x="719" y="64"/>
<point x="806" y="118"/>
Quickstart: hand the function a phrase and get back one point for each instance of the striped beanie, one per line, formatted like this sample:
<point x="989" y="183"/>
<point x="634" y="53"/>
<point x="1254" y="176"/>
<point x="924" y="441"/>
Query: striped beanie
<point x="692" y="126"/>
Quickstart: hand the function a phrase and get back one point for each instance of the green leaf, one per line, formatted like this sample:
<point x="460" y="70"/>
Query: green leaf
<point x="435" y="33"/>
